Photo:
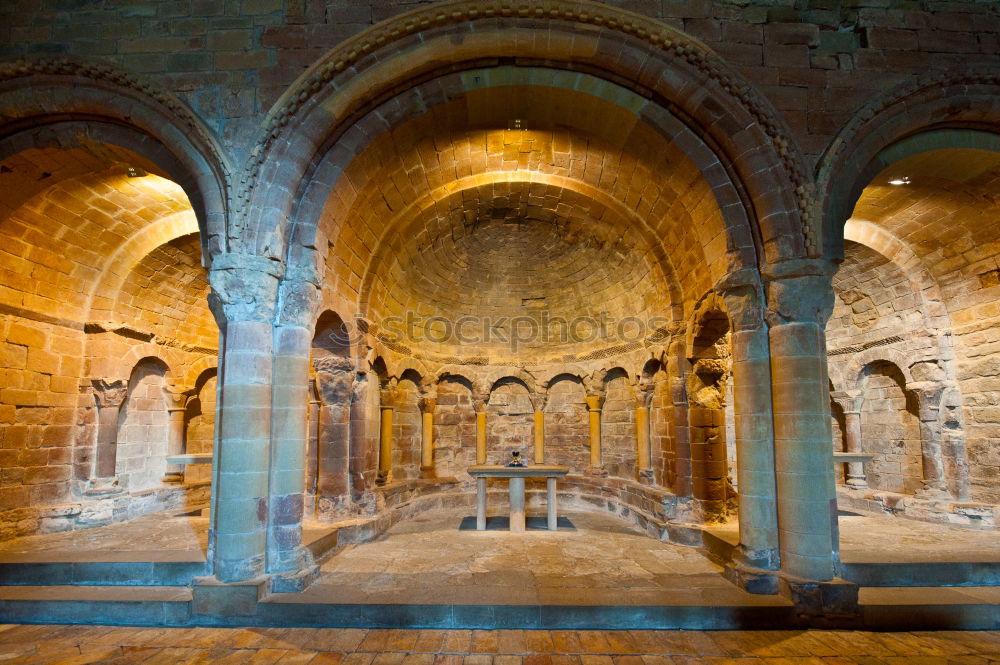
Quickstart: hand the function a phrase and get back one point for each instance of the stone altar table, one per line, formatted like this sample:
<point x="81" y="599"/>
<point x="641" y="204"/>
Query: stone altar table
<point x="516" y="476"/>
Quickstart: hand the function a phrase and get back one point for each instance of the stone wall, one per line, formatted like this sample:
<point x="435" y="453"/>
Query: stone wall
<point x="406" y="422"/>
<point x="618" y="428"/>
<point x="817" y="62"/>
<point x="454" y="430"/>
<point x="510" y="424"/>
<point x="890" y="430"/>
<point x="567" y="429"/>
<point x="200" y="435"/>
<point x="142" y="429"/>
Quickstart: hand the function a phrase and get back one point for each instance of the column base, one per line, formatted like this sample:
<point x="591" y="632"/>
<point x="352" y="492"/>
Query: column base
<point x="212" y="597"/>
<point x="383" y="478"/>
<point x="173" y="477"/>
<point x="646" y="477"/>
<point x="933" y="493"/>
<point x="751" y="579"/>
<point x="294" y="582"/>
<point x="835" y="601"/>
<point x="102" y="486"/>
<point x="427" y="472"/>
<point x="596" y="471"/>
<point x="857" y="483"/>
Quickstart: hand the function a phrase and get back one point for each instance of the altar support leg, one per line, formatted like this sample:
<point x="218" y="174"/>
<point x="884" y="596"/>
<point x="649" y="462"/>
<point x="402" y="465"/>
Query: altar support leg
<point x="517" y="505"/>
<point x="551" y="498"/>
<point x="480" y="504"/>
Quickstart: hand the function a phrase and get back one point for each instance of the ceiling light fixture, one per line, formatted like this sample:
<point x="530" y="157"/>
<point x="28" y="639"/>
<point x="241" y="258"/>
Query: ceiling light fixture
<point x="905" y="180"/>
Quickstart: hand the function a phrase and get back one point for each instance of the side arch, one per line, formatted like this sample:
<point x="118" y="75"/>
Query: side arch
<point x="936" y="111"/>
<point x="691" y="82"/>
<point x="109" y="105"/>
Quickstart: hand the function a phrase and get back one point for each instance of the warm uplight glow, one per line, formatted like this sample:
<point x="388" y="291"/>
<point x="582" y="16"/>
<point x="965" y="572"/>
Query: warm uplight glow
<point x="900" y="181"/>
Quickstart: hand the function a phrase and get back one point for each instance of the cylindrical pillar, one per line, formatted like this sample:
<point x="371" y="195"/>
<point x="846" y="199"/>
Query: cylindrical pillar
<point x="929" y="409"/>
<point x="427" y="436"/>
<point x="289" y="433"/>
<point x="807" y="504"/>
<point x="312" y="449"/>
<point x="642" y="436"/>
<point x="385" y="445"/>
<point x="594" y="403"/>
<point x="758" y="517"/>
<point x="852" y="441"/>
<point x="109" y="398"/>
<point x="539" y="437"/>
<point x="174" y="473"/>
<point x="516" y="492"/>
<point x="481" y="437"/>
<point x="242" y="452"/>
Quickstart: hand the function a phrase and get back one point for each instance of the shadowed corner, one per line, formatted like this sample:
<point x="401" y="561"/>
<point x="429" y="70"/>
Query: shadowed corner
<point x="502" y="523"/>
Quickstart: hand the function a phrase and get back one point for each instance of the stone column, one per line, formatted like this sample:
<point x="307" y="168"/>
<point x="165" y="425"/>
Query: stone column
<point x="427" y="405"/>
<point x="929" y="410"/>
<point x="312" y="451"/>
<point x="850" y="404"/>
<point x="479" y="403"/>
<point x="594" y="405"/>
<point x="385" y="441"/>
<point x="538" y="406"/>
<point x="852" y="442"/>
<point x="109" y="396"/>
<point x="799" y="305"/>
<point x="334" y="379"/>
<point x="243" y="298"/>
<point x="751" y="376"/>
<point x="679" y="464"/>
<point x="644" y="470"/>
<point x="298" y="302"/>
<point x="359" y="437"/>
<point x="176" y="411"/>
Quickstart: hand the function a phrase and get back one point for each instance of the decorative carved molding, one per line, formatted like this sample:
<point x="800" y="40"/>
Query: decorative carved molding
<point x="666" y="39"/>
<point x="109" y="73"/>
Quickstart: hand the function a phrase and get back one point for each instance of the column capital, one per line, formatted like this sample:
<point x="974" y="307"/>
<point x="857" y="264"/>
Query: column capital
<point x="929" y="394"/>
<point x="799" y="299"/>
<point x="298" y="302"/>
<point x="594" y="402"/>
<point x="848" y="400"/>
<point x="538" y="401"/>
<point x="109" y="393"/>
<point x="743" y="296"/>
<point x="479" y="402"/>
<point x="244" y="288"/>
<point x="644" y="395"/>
<point x="427" y="404"/>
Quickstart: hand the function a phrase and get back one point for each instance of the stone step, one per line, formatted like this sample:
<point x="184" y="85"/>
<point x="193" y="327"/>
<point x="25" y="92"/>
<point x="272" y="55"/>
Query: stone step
<point x="930" y="608"/>
<point x="882" y="608"/>
<point x="922" y="573"/>
<point x="100" y="573"/>
<point x="114" y="605"/>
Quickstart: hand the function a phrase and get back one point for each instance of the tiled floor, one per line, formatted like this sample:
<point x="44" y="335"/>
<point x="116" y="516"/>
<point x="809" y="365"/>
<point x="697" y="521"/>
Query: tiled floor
<point x="77" y="645"/>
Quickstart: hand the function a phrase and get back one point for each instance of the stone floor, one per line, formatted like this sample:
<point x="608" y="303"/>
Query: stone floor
<point x="885" y="538"/>
<point x="181" y="536"/>
<point x="79" y="645"/>
<point x="593" y="559"/>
